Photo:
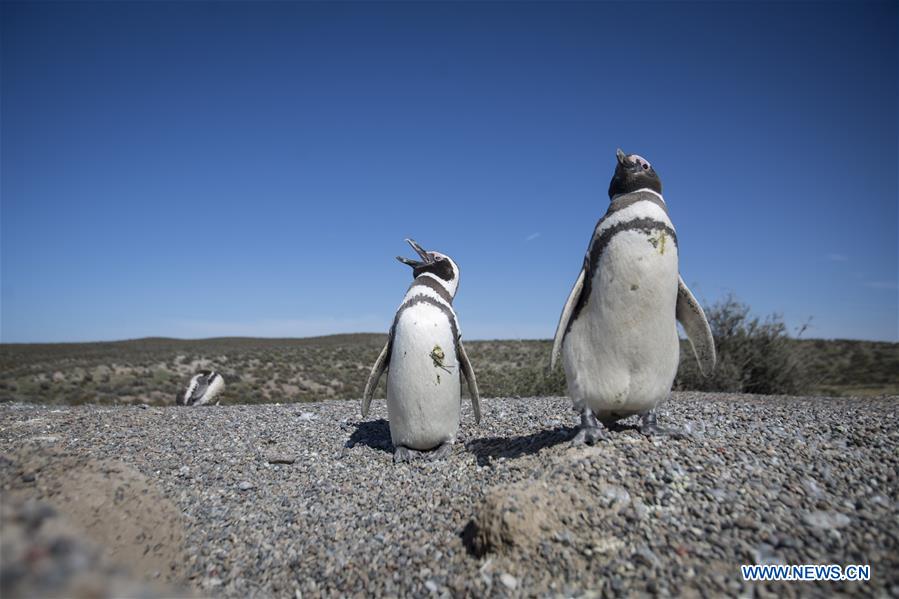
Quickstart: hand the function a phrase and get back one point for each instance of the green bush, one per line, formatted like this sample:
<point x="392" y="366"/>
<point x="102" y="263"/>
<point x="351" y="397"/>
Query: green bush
<point x="754" y="355"/>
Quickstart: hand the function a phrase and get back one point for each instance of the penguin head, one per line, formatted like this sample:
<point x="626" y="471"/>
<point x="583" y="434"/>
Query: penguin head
<point x="633" y="172"/>
<point x="439" y="265"/>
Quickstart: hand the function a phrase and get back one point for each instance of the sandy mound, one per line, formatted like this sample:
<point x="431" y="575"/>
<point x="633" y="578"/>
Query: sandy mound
<point x="45" y="556"/>
<point x="105" y="503"/>
<point x="519" y="518"/>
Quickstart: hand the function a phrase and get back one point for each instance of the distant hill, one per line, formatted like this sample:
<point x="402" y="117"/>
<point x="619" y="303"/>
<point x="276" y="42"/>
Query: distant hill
<point x="261" y="370"/>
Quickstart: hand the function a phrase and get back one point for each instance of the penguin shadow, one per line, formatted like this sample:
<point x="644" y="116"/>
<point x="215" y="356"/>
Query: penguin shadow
<point x="372" y="433"/>
<point x="491" y="448"/>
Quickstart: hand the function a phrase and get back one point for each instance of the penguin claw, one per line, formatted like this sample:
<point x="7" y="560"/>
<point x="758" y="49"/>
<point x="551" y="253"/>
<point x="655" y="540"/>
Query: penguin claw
<point x="650" y="427"/>
<point x="589" y="435"/>
<point x="441" y="452"/>
<point x="591" y="429"/>
<point x="648" y="424"/>
<point x="404" y="454"/>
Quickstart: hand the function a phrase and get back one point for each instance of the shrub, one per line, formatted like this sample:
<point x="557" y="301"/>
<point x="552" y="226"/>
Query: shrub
<point x="754" y="355"/>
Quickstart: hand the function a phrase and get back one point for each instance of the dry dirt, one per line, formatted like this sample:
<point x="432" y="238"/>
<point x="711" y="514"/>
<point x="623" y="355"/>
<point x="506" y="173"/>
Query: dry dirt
<point x="126" y="527"/>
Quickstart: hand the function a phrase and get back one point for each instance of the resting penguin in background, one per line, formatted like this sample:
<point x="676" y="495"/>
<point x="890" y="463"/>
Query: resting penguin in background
<point x="617" y="333"/>
<point x="425" y="357"/>
<point x="202" y="389"/>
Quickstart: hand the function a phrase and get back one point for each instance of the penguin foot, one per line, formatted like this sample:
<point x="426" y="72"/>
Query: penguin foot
<point x="591" y="429"/>
<point x="404" y="454"/>
<point x="590" y="435"/>
<point x="649" y="426"/>
<point x="441" y="453"/>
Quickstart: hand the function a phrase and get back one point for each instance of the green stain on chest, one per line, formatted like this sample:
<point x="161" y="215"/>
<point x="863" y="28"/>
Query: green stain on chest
<point x="659" y="242"/>
<point x="437" y="356"/>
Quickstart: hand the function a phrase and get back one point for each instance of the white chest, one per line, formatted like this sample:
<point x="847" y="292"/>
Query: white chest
<point x="423" y="385"/>
<point x="621" y="353"/>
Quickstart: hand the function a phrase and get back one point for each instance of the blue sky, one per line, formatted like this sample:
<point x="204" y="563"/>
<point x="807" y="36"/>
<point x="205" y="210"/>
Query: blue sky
<point x="203" y="169"/>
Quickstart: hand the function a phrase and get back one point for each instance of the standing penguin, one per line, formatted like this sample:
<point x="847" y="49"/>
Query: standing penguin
<point x="425" y="357"/>
<point x="617" y="333"/>
<point x="202" y="389"/>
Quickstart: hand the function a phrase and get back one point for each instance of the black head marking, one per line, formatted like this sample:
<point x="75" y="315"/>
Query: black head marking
<point x="431" y="262"/>
<point x="440" y="268"/>
<point x="633" y="172"/>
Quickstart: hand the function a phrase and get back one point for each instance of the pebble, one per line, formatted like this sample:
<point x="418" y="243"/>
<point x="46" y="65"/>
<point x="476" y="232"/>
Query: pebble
<point x="344" y="520"/>
<point x="826" y="520"/>
<point x="616" y="495"/>
<point x="509" y="581"/>
<point x="645" y="556"/>
<point x="640" y="510"/>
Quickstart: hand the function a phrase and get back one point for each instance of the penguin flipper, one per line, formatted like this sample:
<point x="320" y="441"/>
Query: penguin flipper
<point x="376" y="371"/>
<point x="691" y="316"/>
<point x="573" y="298"/>
<point x="468" y="371"/>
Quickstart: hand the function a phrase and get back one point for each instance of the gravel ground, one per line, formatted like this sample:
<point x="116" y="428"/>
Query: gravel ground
<point x="304" y="499"/>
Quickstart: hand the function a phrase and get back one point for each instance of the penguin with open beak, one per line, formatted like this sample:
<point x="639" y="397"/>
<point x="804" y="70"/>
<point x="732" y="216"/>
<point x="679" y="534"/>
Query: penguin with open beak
<point x="425" y="360"/>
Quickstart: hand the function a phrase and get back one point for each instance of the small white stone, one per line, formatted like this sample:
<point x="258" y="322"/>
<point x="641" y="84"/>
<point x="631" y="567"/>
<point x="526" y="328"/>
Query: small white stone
<point x="212" y="582"/>
<point x="509" y="581"/>
<point x="826" y="520"/>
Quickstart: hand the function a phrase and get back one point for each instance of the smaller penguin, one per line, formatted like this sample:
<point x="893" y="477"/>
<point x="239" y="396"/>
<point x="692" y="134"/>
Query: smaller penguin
<point x="202" y="389"/>
<point x="426" y="359"/>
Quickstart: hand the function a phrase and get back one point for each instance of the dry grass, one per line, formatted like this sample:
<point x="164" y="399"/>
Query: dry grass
<point x="336" y="367"/>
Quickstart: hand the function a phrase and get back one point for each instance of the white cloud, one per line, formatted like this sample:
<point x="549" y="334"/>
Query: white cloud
<point x="532" y="237"/>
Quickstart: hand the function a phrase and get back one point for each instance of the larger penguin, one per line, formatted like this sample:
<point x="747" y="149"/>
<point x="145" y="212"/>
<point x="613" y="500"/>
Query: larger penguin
<point x="617" y="333"/>
<point x="425" y="357"/>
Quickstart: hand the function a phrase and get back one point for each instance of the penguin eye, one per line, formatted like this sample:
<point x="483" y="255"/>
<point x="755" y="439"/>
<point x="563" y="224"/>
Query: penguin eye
<point x="645" y="166"/>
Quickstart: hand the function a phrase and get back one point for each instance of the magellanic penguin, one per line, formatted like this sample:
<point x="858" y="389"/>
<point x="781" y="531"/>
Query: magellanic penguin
<point x="617" y="333"/>
<point x="202" y="389"/>
<point x="424" y="357"/>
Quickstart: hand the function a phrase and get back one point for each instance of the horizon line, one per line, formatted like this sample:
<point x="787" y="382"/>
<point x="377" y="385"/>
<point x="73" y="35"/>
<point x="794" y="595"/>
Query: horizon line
<point x="382" y="334"/>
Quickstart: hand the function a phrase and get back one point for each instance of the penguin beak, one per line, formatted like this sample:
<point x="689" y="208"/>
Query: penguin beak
<point x="622" y="157"/>
<point x="426" y="258"/>
<point x="420" y="251"/>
